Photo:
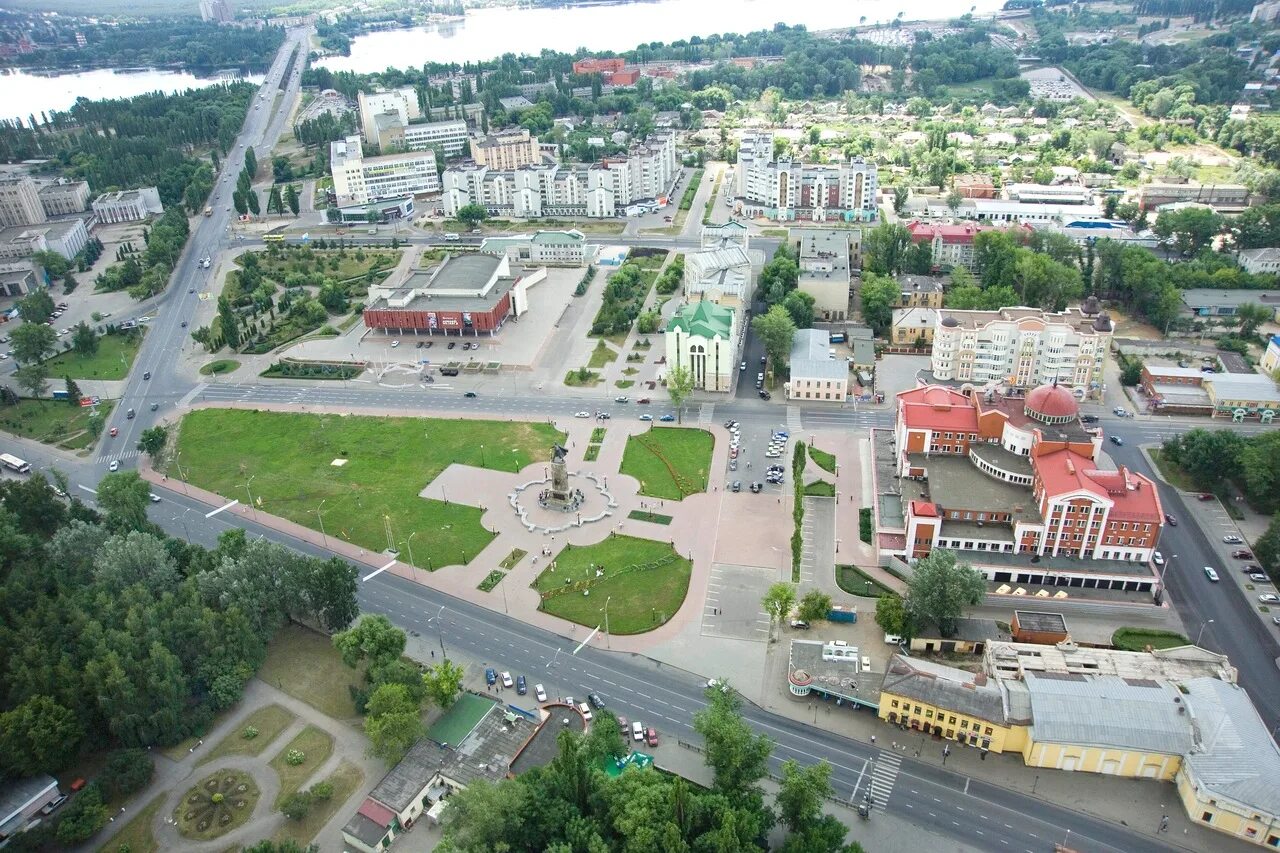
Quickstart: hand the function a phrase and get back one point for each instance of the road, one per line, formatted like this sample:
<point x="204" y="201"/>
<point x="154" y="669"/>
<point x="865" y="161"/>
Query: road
<point x="957" y="807"/>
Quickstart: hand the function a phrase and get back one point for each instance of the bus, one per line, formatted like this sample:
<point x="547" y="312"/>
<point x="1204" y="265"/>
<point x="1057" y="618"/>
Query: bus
<point x="275" y="235"/>
<point x="13" y="463"/>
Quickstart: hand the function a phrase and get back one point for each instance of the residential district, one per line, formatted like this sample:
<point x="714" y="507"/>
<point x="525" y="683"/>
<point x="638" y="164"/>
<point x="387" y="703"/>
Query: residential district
<point x="845" y="439"/>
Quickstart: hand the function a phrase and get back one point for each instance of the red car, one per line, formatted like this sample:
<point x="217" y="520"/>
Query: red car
<point x="651" y="736"/>
<point x="1204" y="496"/>
<point x="1242" y="554"/>
<point x="114" y="432"/>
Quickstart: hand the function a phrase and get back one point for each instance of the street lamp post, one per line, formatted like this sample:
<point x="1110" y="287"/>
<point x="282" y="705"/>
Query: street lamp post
<point x="409" y="545"/>
<point x="607" y="639"/>
<point x="250" y="494"/>
<point x="323" y="536"/>
<point x="1203" y="625"/>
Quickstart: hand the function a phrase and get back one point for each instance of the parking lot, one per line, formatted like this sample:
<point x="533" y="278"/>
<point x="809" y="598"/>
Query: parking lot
<point x="733" y="608"/>
<point x="753" y="449"/>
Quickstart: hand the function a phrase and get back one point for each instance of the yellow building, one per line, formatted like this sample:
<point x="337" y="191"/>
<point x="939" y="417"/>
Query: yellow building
<point x="1242" y="396"/>
<point x="912" y="326"/>
<point x="921" y="291"/>
<point x="963" y="706"/>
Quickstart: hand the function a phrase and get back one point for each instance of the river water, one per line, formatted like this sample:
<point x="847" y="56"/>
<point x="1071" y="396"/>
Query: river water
<point x="489" y="33"/>
<point x="23" y="93"/>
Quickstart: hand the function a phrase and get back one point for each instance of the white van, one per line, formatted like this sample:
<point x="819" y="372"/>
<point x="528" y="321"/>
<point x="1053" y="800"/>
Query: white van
<point x="452" y="238"/>
<point x="637" y="730"/>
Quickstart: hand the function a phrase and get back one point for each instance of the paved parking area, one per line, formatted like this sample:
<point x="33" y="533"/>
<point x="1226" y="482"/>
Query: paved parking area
<point x="733" y="606"/>
<point x="896" y="373"/>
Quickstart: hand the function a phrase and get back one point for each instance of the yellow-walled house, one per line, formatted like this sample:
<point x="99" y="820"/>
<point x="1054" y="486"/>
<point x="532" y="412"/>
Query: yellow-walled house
<point x="963" y="706"/>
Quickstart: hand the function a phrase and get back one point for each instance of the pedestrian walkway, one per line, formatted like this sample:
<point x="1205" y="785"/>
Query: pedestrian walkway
<point x="118" y="457"/>
<point x="883" y="778"/>
<point x="706" y="414"/>
<point x="793" y="419"/>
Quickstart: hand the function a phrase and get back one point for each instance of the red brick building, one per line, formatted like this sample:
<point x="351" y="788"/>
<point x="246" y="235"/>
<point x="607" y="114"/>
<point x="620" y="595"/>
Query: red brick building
<point x="467" y="294"/>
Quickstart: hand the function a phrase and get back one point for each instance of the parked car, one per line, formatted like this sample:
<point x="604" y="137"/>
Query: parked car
<point x="646" y="417"/>
<point x="1258" y="577"/>
<point x="1251" y="567"/>
<point x="155" y="406"/>
<point x="764" y="395"/>
<point x="637" y="730"/>
<point x="756" y="488"/>
<point x="540" y="692"/>
<point x="1157" y="558"/>
<point x="1210" y="574"/>
<point x="737" y="486"/>
<point x="1170" y="520"/>
<point x="490" y="676"/>
<point x="1242" y="554"/>
<point x="799" y="624"/>
<point x="155" y="499"/>
<point x="666" y="419"/>
<point x="623" y="725"/>
<point x="1269" y="598"/>
<point x="1088" y="419"/>
<point x="507" y="680"/>
<point x="1204" y="496"/>
<point x="1115" y="439"/>
<point x="1232" y="539"/>
<point x="585" y="710"/>
<point x="651" y="736"/>
<point x="595" y="700"/>
<point x="522" y="686"/>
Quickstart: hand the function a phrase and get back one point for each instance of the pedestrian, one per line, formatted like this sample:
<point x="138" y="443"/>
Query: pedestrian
<point x="873" y="740"/>
<point x="433" y="654"/>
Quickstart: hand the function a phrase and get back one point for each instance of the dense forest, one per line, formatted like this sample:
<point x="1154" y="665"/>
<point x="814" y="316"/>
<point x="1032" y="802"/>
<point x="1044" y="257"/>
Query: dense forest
<point x="176" y="43"/>
<point x="112" y="633"/>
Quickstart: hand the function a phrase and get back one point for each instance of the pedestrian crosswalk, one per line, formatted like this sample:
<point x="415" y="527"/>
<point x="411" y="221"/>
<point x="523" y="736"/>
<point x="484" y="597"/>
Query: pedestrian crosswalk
<point x="883" y="778"/>
<point x="793" y="418"/>
<point x="118" y="457"/>
<point x="706" y="413"/>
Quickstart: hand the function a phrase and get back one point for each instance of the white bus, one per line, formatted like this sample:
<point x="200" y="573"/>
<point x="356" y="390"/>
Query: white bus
<point x="13" y="463"/>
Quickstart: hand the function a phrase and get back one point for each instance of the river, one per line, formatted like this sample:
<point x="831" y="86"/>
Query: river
<point x="488" y="33"/>
<point x="25" y="93"/>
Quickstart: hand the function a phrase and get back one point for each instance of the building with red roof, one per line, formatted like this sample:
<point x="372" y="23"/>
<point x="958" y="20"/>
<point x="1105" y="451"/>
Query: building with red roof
<point x="951" y="243"/>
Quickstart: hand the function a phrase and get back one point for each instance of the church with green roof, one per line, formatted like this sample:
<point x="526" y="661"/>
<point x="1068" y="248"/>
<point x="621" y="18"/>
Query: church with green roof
<point x="702" y="337"/>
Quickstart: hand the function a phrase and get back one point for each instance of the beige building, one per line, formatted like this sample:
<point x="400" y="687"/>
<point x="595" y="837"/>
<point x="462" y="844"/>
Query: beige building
<point x="702" y="338"/>
<point x="912" y="326"/>
<point x="20" y="202"/>
<point x="65" y="197"/>
<point x="816" y="372"/>
<point x="403" y="102"/>
<point x="506" y="150"/>
<point x="824" y="269"/>
<point x="921" y="291"/>
<point x="359" y="180"/>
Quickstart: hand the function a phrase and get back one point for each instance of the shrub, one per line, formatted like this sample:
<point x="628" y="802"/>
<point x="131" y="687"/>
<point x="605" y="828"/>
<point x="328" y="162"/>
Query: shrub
<point x="295" y="757"/>
<point x="83" y="816"/>
<point x="126" y="771"/>
<point x="249" y="733"/>
<point x="322" y="791"/>
<point x="296" y="806"/>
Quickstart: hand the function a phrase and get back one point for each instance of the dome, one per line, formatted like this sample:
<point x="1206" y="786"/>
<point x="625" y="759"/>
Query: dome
<point x="1102" y="323"/>
<point x="1052" y="403"/>
<point x="950" y="322"/>
<point x="1091" y="306"/>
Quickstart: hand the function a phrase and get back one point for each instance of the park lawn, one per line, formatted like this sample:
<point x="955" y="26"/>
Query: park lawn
<point x="348" y="267"/>
<point x="389" y="460"/>
<point x="304" y="664"/>
<point x="820" y="489"/>
<point x="639" y="600"/>
<point x="824" y="460"/>
<point x="603" y="354"/>
<point x="112" y="360"/>
<point x="221" y="365"/>
<point x="345" y="780"/>
<point x="1172" y="472"/>
<point x="854" y="581"/>
<point x="669" y="462"/>
<point x="136" y="834"/>
<point x="317" y="745"/>
<point x="54" y="422"/>
<point x="269" y="720"/>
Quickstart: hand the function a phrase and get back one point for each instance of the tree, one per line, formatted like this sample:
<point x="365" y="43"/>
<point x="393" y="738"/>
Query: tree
<point x="443" y="682"/>
<point x="1044" y="283"/>
<point x="779" y="601"/>
<point x="126" y="772"/>
<point x="274" y="203"/>
<point x="373" y="638"/>
<point x="1189" y="229"/>
<point x="679" y="387"/>
<point x="37" y="306"/>
<point x="918" y="260"/>
<point x="32" y="342"/>
<point x="296" y="805"/>
<point x="252" y="198"/>
<point x="152" y="440"/>
<point x="33" y="378"/>
<point x="291" y="199"/>
<point x="84" y="340"/>
<point x="880" y="295"/>
<point x="1209" y="457"/>
<point x="1131" y="372"/>
<point x="38" y="736"/>
<point x="940" y="588"/>
<point x="776" y="330"/>
<point x="240" y="201"/>
<point x="485" y="816"/>
<point x="954" y="200"/>
<point x="737" y="755"/>
<point x="281" y="170"/>
<point x="123" y="496"/>
<point x="1252" y="315"/>
<point x="892" y="615"/>
<point x="800" y="306"/>
<point x="815" y="605"/>
<point x="392" y="722"/>
<point x="471" y="214"/>
<point x="900" y="197"/>
<point x="73" y="392"/>
<point x="250" y="162"/>
<point x="802" y="792"/>
<point x="1267" y="547"/>
<point x="884" y="248"/>
<point x="83" y="816"/>
<point x="228" y="322"/>
<point x="327" y="592"/>
<point x="995" y="253"/>
<point x="607" y="740"/>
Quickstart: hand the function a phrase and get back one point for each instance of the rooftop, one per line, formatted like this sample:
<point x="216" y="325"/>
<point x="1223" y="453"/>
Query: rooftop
<point x="1137" y="713"/>
<point x="958" y="484"/>
<point x="936" y="407"/>
<point x="17" y="794"/>
<point x="921" y="283"/>
<point x="1235" y="755"/>
<point x="1027" y="318"/>
<point x="973" y="694"/>
<point x="811" y="356"/>
<point x="542" y="747"/>
<point x="1036" y="620"/>
<point x="1133" y="496"/>
<point x="703" y="318"/>
<point x="824" y="247"/>
<point x="1014" y="660"/>
<point x="844" y="678"/>
<point x="1242" y="386"/>
<point x="1200" y="297"/>
<point x="1014" y="408"/>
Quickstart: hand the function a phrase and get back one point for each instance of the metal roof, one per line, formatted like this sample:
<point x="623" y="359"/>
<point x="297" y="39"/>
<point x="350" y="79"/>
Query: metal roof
<point x="1234" y="755"/>
<point x="1109" y="711"/>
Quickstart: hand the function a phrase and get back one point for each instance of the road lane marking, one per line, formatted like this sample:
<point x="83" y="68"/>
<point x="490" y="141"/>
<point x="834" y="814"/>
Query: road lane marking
<point x="222" y="508"/>
<point x="377" y="572"/>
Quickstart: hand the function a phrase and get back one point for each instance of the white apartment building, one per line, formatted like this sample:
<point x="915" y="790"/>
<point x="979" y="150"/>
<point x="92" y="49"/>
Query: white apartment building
<point x="787" y="190"/>
<point x="1022" y="347"/>
<point x="128" y="205"/>
<point x="598" y="190"/>
<point x="403" y="102"/>
<point x="20" y="202"/>
<point x="506" y="150"/>
<point x="359" y="180"/>
<point x="65" y="197"/>
<point x="391" y="134"/>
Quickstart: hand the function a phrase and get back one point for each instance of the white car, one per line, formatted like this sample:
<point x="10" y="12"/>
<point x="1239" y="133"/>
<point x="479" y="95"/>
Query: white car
<point x="540" y="692"/>
<point x="1157" y="558"/>
<point x="1233" y="540"/>
<point x="1211" y="574"/>
<point x="637" y="730"/>
<point x="155" y="499"/>
<point x="582" y="414"/>
<point x="395" y="344"/>
<point x="585" y="709"/>
<point x="114" y="466"/>
<point x="506" y="680"/>
<point x="1269" y="598"/>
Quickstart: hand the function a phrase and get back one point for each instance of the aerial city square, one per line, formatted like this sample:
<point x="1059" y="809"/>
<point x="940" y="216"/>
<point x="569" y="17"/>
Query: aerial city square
<point x="576" y="426"/>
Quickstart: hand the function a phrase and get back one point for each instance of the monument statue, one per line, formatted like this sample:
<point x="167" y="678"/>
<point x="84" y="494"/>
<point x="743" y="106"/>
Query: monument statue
<point x="559" y="495"/>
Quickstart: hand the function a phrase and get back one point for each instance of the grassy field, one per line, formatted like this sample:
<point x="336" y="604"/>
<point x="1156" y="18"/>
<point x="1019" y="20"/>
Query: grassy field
<point x="317" y="745"/>
<point x="1137" y="639"/>
<point x="269" y="720"/>
<point x="854" y="581"/>
<point x="345" y="780"/>
<point x="305" y="665"/>
<point x="52" y="422"/>
<point x="651" y="517"/>
<point x="1172" y="473"/>
<point x="112" y="360"/>
<point x="820" y="489"/>
<point x="640" y="599"/>
<point x="514" y="557"/>
<point x="388" y="461"/>
<point x="306" y="259"/>
<point x="824" y="460"/>
<point x="603" y="354"/>
<point x="230" y="780"/>
<point x="669" y="462"/>
<point x="137" y="832"/>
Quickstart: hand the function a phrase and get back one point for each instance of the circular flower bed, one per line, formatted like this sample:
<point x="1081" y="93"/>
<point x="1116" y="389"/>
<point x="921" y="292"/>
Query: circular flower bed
<point x="216" y="805"/>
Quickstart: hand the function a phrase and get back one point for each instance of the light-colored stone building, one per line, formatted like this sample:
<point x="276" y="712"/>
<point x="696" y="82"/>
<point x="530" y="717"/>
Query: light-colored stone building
<point x="816" y="372"/>
<point x="358" y="179"/>
<point x="403" y="102"/>
<point x="20" y="202"/>
<point x="702" y="338"/>
<point x="65" y="236"/>
<point x="128" y="205"/>
<point x="393" y="136"/>
<point x="556" y="248"/>
<point x="65" y="197"/>
<point x="506" y="150"/>
<point x="824" y="269"/>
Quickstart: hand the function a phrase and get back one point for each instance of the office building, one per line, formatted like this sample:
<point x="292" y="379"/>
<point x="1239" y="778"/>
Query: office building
<point x="402" y="102"/>
<point x="20" y="202"/>
<point x="702" y="337"/>
<point x="127" y="205"/>
<point x="506" y="150"/>
<point x="392" y="135"/>
<point x="1022" y="347"/>
<point x="816" y="372"/>
<point x="65" y="236"/>
<point x="824" y="269"/>
<point x="721" y="270"/>
<point x="554" y="248"/>
<point x="358" y="179"/>
<point x="787" y="190"/>
<point x="64" y="198"/>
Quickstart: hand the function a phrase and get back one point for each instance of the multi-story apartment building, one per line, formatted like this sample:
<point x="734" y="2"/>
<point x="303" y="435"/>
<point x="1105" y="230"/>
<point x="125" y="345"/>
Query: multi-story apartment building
<point x="920" y="291"/>
<point x="824" y="269"/>
<point x="392" y="135"/>
<point x="359" y="180"/>
<point x="1022" y="347"/>
<point x="65" y="197"/>
<point x="950" y="244"/>
<point x="790" y="190"/>
<point x="403" y="102"/>
<point x="598" y="190"/>
<point x="506" y="150"/>
<point x="218" y="11"/>
<point x="128" y="205"/>
<point x="20" y="202"/>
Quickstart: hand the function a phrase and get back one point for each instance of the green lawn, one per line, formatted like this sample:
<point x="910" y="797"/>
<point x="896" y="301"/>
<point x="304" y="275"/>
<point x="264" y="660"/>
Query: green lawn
<point x="304" y="664"/>
<point x="820" y="489"/>
<point x="221" y="365"/>
<point x="669" y="462"/>
<point x="651" y="517"/>
<point x="53" y="422"/>
<point x="1137" y="639"/>
<point x="317" y="745"/>
<point x="644" y="581"/>
<point x="345" y="780"/>
<point x="137" y="832"/>
<point x="491" y="580"/>
<point x="112" y="360"/>
<point x="516" y="555"/>
<point x="824" y="460"/>
<point x="299" y="259"/>
<point x="388" y="461"/>
<point x="603" y="354"/>
<point x="581" y="376"/>
<point x="592" y="453"/>
<point x="1172" y="473"/>
<point x="854" y="581"/>
<point x="269" y="720"/>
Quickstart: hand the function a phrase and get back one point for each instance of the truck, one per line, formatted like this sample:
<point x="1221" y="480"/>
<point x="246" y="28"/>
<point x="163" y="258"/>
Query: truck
<point x="208" y="210"/>
<point x="13" y="463"/>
